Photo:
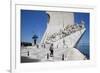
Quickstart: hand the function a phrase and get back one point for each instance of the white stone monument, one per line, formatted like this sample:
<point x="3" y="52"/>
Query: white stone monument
<point x="57" y="21"/>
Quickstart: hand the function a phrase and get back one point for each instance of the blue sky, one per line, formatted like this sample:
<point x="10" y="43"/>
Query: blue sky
<point x="35" y="22"/>
<point x="86" y="18"/>
<point x="32" y="22"/>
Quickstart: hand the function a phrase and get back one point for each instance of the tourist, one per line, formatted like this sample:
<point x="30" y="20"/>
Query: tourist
<point x="27" y="53"/>
<point x="51" y="50"/>
<point x="62" y="56"/>
<point x="47" y="56"/>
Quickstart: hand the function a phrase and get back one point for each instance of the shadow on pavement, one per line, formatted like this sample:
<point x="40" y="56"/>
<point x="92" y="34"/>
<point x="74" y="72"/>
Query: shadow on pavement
<point x="28" y="60"/>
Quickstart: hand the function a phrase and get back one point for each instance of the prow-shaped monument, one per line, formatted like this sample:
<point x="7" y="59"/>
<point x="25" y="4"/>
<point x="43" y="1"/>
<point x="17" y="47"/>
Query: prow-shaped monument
<point x="61" y="30"/>
<point x="61" y="35"/>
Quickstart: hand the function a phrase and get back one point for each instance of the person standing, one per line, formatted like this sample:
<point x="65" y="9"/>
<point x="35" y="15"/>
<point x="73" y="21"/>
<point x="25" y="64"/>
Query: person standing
<point x="47" y="56"/>
<point x="28" y="53"/>
<point x="51" y="50"/>
<point x="63" y="57"/>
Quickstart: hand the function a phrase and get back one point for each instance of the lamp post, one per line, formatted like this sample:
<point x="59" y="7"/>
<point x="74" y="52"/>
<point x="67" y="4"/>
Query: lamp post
<point x="35" y="37"/>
